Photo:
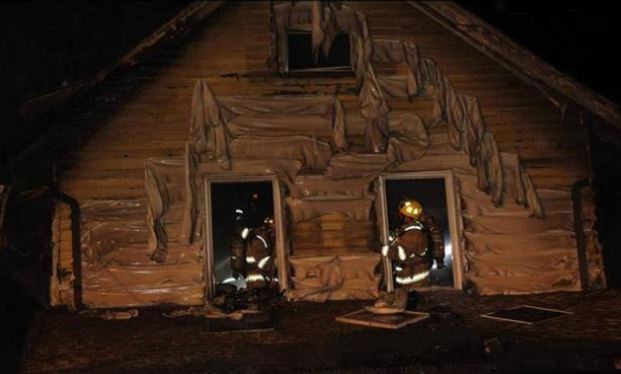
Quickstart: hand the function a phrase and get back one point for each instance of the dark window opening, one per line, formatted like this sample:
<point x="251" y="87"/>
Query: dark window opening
<point x="250" y="201"/>
<point x="431" y="193"/>
<point x="300" y="56"/>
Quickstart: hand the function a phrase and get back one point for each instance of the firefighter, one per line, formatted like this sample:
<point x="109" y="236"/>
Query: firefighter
<point x="245" y="219"/>
<point x="252" y="245"/>
<point x="248" y="216"/>
<point x="260" y="255"/>
<point x="237" y="249"/>
<point x="435" y="238"/>
<point x="414" y="246"/>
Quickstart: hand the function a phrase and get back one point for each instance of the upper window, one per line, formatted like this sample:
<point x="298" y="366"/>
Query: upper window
<point x="300" y="53"/>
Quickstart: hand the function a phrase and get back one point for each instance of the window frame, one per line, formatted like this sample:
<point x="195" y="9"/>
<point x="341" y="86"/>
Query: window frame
<point x="281" y="253"/>
<point x="304" y="29"/>
<point x="454" y="219"/>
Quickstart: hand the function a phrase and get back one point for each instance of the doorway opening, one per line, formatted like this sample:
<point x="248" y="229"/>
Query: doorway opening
<point x="244" y="238"/>
<point x="434" y="192"/>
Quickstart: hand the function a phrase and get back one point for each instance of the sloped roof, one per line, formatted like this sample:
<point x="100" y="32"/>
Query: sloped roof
<point x="496" y="45"/>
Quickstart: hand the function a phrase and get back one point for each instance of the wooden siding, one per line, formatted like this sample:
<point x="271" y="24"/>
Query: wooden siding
<point x="144" y="113"/>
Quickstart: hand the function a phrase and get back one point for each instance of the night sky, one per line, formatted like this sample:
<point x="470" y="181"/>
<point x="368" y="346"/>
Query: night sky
<point x="576" y="37"/>
<point x="47" y="45"/>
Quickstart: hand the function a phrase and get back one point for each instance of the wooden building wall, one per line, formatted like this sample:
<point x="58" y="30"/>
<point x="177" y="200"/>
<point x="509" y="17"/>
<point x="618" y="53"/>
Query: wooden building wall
<point x="145" y="113"/>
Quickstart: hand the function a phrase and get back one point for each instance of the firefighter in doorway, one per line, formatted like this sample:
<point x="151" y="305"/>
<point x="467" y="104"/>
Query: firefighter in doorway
<point x="252" y="246"/>
<point x="414" y="246"/>
<point x="260" y="254"/>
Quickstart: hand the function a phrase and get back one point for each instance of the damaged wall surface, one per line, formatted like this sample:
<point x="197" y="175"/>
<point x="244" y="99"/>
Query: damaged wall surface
<point x="419" y="99"/>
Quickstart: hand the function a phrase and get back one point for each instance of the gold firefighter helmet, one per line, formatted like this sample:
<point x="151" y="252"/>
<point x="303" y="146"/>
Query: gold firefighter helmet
<point x="411" y="208"/>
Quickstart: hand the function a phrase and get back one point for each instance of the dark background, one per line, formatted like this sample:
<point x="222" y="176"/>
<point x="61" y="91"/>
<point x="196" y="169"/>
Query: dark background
<point x="576" y="37"/>
<point x="301" y="56"/>
<point x="46" y="45"/>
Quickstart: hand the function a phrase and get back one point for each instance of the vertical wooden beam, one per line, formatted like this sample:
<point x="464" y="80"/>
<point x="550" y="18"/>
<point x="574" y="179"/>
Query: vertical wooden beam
<point x="576" y="199"/>
<point x="387" y="264"/>
<point x="281" y="253"/>
<point x="210" y="277"/>
<point x="56" y="247"/>
<point x="454" y="230"/>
